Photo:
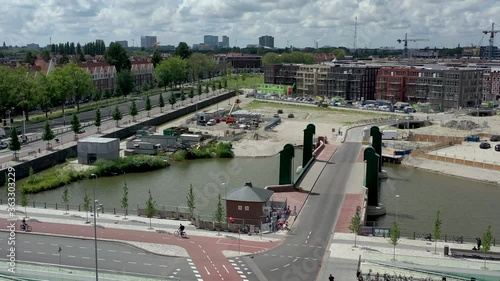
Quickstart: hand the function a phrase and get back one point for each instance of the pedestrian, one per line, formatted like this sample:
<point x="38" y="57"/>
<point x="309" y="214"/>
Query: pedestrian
<point x="331" y="278"/>
<point x="478" y="240"/>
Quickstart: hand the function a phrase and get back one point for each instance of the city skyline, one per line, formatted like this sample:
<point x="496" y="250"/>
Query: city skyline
<point x="379" y="23"/>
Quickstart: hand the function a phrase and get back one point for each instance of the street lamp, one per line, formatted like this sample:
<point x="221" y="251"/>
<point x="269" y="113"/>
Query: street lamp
<point x="95" y="228"/>
<point x="397" y="200"/>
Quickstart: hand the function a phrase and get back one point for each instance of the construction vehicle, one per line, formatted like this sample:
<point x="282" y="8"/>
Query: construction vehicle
<point x="322" y="101"/>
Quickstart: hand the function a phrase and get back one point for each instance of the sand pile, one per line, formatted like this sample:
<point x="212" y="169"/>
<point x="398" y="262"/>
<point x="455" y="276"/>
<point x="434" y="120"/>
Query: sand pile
<point x="466" y="125"/>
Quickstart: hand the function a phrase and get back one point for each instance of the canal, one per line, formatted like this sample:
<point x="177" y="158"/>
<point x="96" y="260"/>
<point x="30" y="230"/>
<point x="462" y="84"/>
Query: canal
<point x="467" y="207"/>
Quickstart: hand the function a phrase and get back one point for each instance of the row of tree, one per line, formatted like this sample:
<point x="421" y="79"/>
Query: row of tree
<point x="92" y="48"/>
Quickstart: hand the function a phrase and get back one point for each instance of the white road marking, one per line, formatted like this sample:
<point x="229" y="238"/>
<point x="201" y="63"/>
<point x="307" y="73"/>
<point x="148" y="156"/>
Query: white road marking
<point x="70" y="256"/>
<point x="161" y="265"/>
<point x="116" y="261"/>
<point x="295" y="260"/>
<point x="41" y="253"/>
<point x="225" y="268"/>
<point x="40" y="243"/>
<point x="126" y="252"/>
<point x="112" y="251"/>
<point x="87" y="258"/>
<point x="146" y="264"/>
<point x="54" y="245"/>
<point x="69" y="246"/>
<point x="286" y="265"/>
<point x="101" y="259"/>
<point x="208" y="272"/>
<point x="27" y="242"/>
<point x="82" y="247"/>
<point x="274" y="269"/>
<point x="142" y="254"/>
<point x="132" y="262"/>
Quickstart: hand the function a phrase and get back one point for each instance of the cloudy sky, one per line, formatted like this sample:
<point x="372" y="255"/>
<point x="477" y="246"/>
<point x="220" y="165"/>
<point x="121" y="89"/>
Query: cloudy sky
<point x="300" y="22"/>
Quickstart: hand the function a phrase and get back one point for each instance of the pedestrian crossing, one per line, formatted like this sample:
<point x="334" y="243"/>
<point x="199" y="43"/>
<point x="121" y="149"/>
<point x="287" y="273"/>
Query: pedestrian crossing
<point x="241" y="268"/>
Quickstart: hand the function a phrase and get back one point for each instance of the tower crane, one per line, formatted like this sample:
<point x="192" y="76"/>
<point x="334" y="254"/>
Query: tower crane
<point x="492" y="39"/>
<point x="406" y="40"/>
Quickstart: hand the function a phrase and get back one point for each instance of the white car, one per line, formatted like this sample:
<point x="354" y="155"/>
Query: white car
<point x="211" y="122"/>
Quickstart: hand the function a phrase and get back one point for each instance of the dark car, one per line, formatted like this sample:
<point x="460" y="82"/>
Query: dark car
<point x="485" y="145"/>
<point x="497" y="147"/>
<point x="495" y="138"/>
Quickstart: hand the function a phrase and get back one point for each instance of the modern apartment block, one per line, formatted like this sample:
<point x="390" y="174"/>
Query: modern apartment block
<point x="224" y="43"/>
<point x="442" y="87"/>
<point x="266" y="41"/>
<point x="352" y="82"/>
<point x="148" y="42"/>
<point x="493" y="82"/>
<point x="281" y="74"/>
<point x="123" y="43"/>
<point x="211" y="40"/>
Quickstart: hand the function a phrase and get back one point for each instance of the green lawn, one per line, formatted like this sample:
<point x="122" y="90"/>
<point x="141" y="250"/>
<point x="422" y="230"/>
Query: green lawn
<point x="235" y="82"/>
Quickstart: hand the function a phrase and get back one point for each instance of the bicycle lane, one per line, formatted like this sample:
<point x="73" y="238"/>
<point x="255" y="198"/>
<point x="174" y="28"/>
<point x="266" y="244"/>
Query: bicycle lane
<point x="205" y="252"/>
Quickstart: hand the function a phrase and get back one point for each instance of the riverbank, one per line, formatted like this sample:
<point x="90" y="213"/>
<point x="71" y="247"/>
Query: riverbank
<point x="455" y="170"/>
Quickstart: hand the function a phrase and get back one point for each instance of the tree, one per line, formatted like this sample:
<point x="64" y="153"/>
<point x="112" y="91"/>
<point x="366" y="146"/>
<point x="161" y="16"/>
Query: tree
<point x="191" y="94"/>
<point x="45" y="55"/>
<point x="339" y="53"/>
<point x="163" y="75"/>
<point x="29" y="58"/>
<point x="177" y="69"/>
<point x="437" y="230"/>
<point x="219" y="85"/>
<point x="394" y="236"/>
<point x="48" y="134"/>
<point x="107" y="93"/>
<point x="125" y="82"/>
<point x="213" y="87"/>
<point x="24" y="202"/>
<point x="116" y="55"/>
<point x="148" y="105"/>
<point x="206" y="89"/>
<point x="225" y="83"/>
<point x="117" y="115"/>
<point x="75" y="124"/>
<point x="133" y="110"/>
<point x="191" y="201"/>
<point x="183" y="96"/>
<point x="156" y="59"/>
<point x="172" y="100"/>
<point x="14" y="144"/>
<point x="182" y="50"/>
<point x="65" y="197"/>
<point x="486" y="245"/>
<point x="125" y="199"/>
<point x="355" y="225"/>
<point x="199" y="91"/>
<point x="86" y="204"/>
<point x="71" y="81"/>
<point x="219" y="214"/>
<point x="150" y="208"/>
<point x="97" y="121"/>
<point x="161" y="102"/>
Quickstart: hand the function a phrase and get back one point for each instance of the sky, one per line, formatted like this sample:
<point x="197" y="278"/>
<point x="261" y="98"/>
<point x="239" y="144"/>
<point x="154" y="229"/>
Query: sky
<point x="380" y="23"/>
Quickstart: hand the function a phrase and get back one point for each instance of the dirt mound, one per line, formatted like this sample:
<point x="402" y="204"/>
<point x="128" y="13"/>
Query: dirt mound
<point x="461" y="125"/>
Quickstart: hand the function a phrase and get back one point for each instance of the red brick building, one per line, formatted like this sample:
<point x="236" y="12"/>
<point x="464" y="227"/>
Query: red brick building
<point x="397" y="84"/>
<point x="246" y="204"/>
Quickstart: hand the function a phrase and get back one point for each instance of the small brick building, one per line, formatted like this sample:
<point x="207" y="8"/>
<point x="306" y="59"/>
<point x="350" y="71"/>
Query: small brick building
<point x="246" y="204"/>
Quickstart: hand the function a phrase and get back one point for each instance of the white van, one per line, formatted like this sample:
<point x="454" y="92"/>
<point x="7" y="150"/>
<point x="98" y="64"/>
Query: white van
<point x="3" y="145"/>
<point x="390" y="135"/>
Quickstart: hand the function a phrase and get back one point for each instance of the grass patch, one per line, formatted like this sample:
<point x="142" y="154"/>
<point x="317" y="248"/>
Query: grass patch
<point x="62" y="175"/>
<point x="212" y="150"/>
<point x="234" y="82"/>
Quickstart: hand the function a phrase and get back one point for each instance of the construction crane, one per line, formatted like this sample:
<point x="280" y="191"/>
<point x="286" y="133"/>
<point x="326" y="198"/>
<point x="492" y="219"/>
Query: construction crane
<point x="405" y="50"/>
<point x="492" y="39"/>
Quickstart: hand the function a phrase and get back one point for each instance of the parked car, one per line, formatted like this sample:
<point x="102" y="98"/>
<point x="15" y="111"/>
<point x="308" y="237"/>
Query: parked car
<point x="291" y="115"/>
<point x="276" y="115"/>
<point x="3" y="145"/>
<point x="497" y="147"/>
<point x="211" y="122"/>
<point x="280" y="111"/>
<point x="495" y="138"/>
<point x="485" y="145"/>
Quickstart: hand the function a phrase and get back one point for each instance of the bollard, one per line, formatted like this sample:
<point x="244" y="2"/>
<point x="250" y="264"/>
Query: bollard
<point x="78" y="208"/>
<point x="114" y="211"/>
<point x="56" y="205"/>
<point x="445" y="238"/>
<point x="1" y="203"/>
<point x="45" y="205"/>
<point x="414" y="236"/>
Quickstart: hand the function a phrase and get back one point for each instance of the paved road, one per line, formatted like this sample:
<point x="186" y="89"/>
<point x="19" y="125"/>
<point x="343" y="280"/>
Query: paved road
<point x="299" y="257"/>
<point x="111" y="256"/>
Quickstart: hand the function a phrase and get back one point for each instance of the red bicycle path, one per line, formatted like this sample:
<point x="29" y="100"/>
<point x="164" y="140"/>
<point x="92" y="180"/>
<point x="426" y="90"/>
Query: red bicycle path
<point x="205" y="252"/>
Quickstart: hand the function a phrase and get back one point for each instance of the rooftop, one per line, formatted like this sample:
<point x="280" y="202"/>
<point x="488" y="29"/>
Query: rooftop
<point x="97" y="140"/>
<point x="249" y="193"/>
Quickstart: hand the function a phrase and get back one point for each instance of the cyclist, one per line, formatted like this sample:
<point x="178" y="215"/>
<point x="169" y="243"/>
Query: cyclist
<point x="181" y="230"/>
<point x="23" y="223"/>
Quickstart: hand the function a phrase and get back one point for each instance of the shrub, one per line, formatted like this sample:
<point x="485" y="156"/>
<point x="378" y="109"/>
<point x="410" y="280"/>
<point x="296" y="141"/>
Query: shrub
<point x="130" y="164"/>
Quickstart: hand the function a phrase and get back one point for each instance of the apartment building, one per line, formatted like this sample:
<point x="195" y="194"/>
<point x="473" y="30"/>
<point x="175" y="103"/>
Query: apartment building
<point x="493" y="82"/>
<point x="352" y="82"/>
<point x="142" y="71"/>
<point x="312" y="80"/>
<point x="103" y="74"/>
<point x="442" y="87"/>
<point x="281" y="74"/>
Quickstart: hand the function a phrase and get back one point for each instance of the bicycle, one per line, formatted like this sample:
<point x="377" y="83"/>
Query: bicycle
<point x="25" y="227"/>
<point x="177" y="233"/>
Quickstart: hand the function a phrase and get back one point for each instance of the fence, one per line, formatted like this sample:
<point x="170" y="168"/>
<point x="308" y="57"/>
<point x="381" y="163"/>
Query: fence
<point x="460" y="161"/>
<point x="59" y="131"/>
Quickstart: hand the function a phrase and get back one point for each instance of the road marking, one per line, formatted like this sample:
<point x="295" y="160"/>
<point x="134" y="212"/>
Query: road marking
<point x="146" y="264"/>
<point x="55" y="254"/>
<point x="225" y="268"/>
<point x="41" y="253"/>
<point x="286" y="265"/>
<point x="274" y="269"/>
<point x="125" y="252"/>
<point x="69" y="256"/>
<point x="204" y="251"/>
<point x="101" y="259"/>
<point x="295" y="260"/>
<point x="142" y="254"/>
<point x="208" y="272"/>
<point x="27" y="242"/>
<point x="161" y="265"/>
<point x="116" y="261"/>
<point x="40" y="243"/>
<point x="69" y="246"/>
<point x="82" y="247"/>
<point x="87" y="258"/>
<point x="112" y="251"/>
<point x="54" y="245"/>
<point x="132" y="262"/>
<point x="29" y="252"/>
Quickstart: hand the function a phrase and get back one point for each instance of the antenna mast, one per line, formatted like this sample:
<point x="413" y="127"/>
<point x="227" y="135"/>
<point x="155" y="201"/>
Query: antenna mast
<point x="355" y="32"/>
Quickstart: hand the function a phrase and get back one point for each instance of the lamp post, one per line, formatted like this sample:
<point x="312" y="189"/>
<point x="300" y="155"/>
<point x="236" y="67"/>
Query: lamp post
<point x="397" y="200"/>
<point x="95" y="228"/>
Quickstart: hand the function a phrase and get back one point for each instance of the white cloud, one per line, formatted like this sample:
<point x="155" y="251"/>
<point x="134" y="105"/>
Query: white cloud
<point x="380" y="22"/>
